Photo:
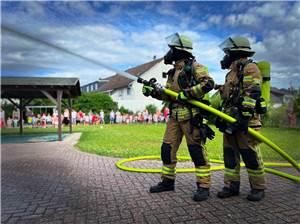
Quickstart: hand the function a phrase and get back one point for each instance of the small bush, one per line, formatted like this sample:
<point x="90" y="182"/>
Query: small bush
<point x="276" y="117"/>
<point x="151" y="108"/>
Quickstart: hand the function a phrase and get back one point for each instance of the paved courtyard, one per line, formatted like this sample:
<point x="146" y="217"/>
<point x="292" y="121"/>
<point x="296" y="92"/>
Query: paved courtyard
<point x="55" y="183"/>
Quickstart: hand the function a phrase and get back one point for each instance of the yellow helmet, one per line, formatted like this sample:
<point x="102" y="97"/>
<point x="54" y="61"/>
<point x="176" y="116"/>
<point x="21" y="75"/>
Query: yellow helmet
<point x="237" y="44"/>
<point x="180" y="42"/>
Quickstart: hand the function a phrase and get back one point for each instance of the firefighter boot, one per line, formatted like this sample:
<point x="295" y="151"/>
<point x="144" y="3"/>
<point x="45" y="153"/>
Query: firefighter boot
<point x="256" y="195"/>
<point x="201" y="194"/>
<point x="165" y="185"/>
<point x="232" y="190"/>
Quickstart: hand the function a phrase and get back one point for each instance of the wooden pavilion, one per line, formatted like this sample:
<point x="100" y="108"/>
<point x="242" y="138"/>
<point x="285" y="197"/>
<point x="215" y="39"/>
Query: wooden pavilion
<point x="25" y="89"/>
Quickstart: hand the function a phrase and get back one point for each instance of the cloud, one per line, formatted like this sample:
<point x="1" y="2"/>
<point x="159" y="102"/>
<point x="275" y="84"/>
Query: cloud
<point x="263" y="17"/>
<point x="168" y="9"/>
<point x="128" y="34"/>
<point x="246" y="20"/>
<point x="275" y="36"/>
<point x="85" y="75"/>
<point x="282" y="49"/>
<point x="271" y="10"/>
<point x="215" y="19"/>
<point x="202" y="26"/>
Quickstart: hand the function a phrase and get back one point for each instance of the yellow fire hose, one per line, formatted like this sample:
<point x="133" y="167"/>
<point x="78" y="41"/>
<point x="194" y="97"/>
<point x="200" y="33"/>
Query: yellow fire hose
<point x="230" y="119"/>
<point x="120" y="165"/>
<point x="251" y="131"/>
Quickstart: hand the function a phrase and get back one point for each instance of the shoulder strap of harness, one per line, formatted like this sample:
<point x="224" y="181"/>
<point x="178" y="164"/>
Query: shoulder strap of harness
<point x="234" y="97"/>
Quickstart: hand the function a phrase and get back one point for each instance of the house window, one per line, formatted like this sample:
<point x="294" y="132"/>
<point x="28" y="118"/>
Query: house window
<point x="129" y="91"/>
<point x="96" y="86"/>
<point x="120" y="93"/>
<point x="92" y="87"/>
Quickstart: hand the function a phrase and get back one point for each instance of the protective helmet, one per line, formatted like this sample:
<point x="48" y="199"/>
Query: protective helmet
<point x="180" y="42"/>
<point x="236" y="44"/>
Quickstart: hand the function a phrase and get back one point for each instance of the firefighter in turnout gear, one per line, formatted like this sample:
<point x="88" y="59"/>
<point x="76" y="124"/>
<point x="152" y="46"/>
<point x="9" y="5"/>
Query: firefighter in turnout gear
<point x="192" y="81"/>
<point x="240" y="94"/>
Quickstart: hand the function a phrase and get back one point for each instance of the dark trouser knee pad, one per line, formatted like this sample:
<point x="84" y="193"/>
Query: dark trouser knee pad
<point x="249" y="158"/>
<point x="166" y="153"/>
<point x="197" y="155"/>
<point x="229" y="158"/>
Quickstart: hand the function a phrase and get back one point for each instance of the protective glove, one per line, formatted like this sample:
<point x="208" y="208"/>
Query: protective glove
<point x="210" y="134"/>
<point x="182" y="96"/>
<point x="206" y="132"/>
<point x="220" y="124"/>
<point x="147" y="90"/>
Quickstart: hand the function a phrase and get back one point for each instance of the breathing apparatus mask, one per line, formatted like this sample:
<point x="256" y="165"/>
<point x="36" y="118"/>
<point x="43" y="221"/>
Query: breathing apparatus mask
<point x="174" y="55"/>
<point x="228" y="59"/>
<point x="226" y="62"/>
<point x="232" y="56"/>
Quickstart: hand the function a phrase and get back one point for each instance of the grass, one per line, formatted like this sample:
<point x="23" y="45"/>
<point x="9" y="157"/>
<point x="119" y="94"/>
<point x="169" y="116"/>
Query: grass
<point x="137" y="140"/>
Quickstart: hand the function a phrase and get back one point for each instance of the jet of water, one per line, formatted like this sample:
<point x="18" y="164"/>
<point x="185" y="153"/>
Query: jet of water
<point x="29" y="37"/>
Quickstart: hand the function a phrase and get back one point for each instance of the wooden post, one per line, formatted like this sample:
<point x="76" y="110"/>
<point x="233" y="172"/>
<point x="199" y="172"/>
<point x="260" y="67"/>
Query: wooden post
<point x="70" y="113"/>
<point x="21" y="116"/>
<point x="59" y="96"/>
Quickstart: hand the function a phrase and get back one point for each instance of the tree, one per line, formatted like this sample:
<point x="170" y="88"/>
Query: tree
<point x="151" y="108"/>
<point x="94" y="101"/>
<point x="124" y="110"/>
<point x="8" y="109"/>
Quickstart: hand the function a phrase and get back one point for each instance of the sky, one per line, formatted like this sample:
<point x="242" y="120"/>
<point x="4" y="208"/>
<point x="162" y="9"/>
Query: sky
<point x="127" y="34"/>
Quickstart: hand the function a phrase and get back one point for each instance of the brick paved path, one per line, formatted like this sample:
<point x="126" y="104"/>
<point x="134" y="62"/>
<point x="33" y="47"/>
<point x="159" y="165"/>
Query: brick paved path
<point x="55" y="183"/>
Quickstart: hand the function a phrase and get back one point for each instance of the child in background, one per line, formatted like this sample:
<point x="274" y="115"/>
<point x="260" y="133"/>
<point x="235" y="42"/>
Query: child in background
<point x="86" y="119"/>
<point x="43" y="120"/>
<point x="9" y="122"/>
<point x="48" y="119"/>
<point x="2" y="118"/>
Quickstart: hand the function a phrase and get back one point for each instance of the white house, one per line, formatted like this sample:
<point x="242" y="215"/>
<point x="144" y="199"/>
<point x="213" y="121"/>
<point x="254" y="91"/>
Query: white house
<point x="128" y="93"/>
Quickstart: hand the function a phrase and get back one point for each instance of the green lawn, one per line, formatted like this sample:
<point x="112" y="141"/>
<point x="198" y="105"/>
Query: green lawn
<point x="137" y="140"/>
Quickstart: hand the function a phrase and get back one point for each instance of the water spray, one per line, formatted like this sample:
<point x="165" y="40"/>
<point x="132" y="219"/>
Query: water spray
<point x="29" y="37"/>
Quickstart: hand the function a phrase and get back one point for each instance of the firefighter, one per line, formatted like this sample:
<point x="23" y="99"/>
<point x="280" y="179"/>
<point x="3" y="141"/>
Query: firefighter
<point x="192" y="81"/>
<point x="240" y="94"/>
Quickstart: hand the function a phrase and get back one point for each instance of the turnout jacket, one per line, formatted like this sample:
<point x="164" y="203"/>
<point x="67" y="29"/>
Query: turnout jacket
<point x="204" y="83"/>
<point x="249" y="88"/>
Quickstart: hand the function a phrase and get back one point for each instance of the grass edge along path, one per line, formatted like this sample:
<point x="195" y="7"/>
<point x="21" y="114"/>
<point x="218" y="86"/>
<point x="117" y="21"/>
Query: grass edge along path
<point x="125" y="141"/>
<point x="141" y="140"/>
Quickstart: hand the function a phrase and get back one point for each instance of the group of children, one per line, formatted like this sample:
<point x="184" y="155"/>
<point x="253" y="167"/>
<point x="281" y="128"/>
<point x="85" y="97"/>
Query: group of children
<point x="44" y="120"/>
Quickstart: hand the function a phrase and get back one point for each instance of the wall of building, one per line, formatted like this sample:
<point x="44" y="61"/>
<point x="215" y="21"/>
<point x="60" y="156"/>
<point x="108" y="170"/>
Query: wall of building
<point x="91" y="87"/>
<point x="134" y="99"/>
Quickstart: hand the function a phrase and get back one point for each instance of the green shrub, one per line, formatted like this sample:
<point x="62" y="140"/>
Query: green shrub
<point x="124" y="110"/>
<point x="94" y="101"/>
<point x="151" y="108"/>
<point x="276" y="117"/>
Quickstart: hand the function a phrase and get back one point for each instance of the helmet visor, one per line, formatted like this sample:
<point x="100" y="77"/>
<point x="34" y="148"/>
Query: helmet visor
<point x="174" y="40"/>
<point x="227" y="45"/>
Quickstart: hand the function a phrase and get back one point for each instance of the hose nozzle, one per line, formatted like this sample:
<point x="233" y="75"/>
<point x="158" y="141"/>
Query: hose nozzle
<point x="146" y="82"/>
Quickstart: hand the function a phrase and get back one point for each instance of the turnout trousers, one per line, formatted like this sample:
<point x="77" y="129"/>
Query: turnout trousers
<point x="172" y="139"/>
<point x="245" y="146"/>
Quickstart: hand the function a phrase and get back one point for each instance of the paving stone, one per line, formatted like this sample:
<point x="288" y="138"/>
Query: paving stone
<point x="56" y="183"/>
